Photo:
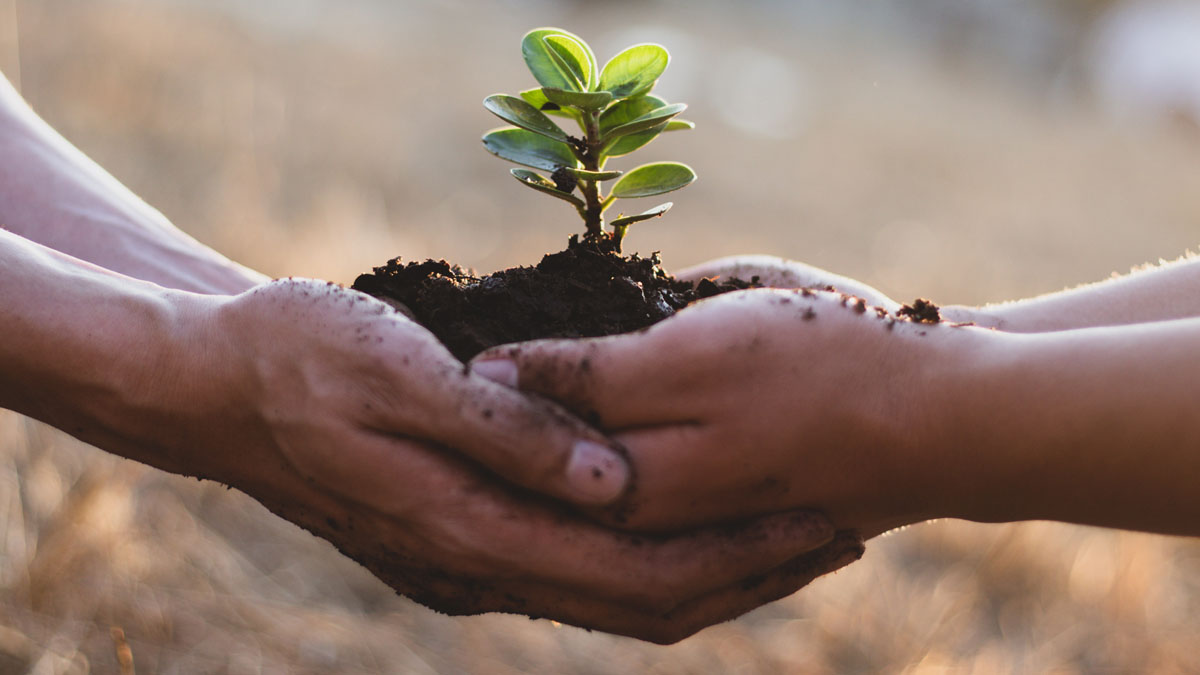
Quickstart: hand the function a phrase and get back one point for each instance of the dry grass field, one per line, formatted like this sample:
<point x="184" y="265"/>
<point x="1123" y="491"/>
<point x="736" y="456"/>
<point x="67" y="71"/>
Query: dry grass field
<point x="318" y="138"/>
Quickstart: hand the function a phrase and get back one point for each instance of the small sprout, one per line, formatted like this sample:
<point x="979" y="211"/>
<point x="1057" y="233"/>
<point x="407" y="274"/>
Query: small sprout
<point x="616" y="114"/>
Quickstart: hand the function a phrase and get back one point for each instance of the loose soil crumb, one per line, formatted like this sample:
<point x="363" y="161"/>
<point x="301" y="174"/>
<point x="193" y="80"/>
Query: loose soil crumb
<point x="921" y="311"/>
<point x="588" y="290"/>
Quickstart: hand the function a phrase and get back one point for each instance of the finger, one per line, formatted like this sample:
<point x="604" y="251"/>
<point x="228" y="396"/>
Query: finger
<point x="472" y="541"/>
<point x="533" y="442"/>
<point x="774" y="272"/>
<point x="429" y="396"/>
<point x="724" y="604"/>
<point x="673" y="462"/>
<point x="466" y="596"/>
<point x="613" y="382"/>
<point x="753" y="592"/>
<point x="657" y="573"/>
<point x="464" y="521"/>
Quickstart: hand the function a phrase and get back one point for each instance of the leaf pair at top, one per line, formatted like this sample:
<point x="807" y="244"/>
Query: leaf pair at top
<point x="562" y="61"/>
<point x="624" y="127"/>
<point x="616" y="115"/>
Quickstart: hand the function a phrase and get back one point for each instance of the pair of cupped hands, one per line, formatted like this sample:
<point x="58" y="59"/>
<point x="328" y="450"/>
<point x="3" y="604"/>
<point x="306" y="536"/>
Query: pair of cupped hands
<point x="648" y="484"/>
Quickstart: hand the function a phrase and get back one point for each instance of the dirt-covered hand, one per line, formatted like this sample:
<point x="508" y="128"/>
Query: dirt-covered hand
<point x="774" y="272"/>
<point x="453" y="539"/>
<point x="343" y="416"/>
<point x="307" y="368"/>
<point x="757" y="401"/>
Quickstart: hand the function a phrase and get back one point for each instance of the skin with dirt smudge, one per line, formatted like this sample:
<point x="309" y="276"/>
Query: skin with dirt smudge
<point x="719" y="442"/>
<point x="338" y="413"/>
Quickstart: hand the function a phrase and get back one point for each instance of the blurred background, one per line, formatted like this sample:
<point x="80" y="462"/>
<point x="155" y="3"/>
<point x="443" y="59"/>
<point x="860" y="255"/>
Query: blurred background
<point x="968" y="151"/>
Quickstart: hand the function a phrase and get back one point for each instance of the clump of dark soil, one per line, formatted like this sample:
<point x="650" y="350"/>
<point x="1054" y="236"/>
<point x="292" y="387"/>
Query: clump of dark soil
<point x="588" y="290"/>
<point x="921" y="311"/>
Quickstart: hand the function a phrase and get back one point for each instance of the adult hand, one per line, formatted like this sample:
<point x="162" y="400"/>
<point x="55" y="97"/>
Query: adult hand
<point x="336" y="412"/>
<point x="450" y="537"/>
<point x="761" y="400"/>
<point x="343" y="416"/>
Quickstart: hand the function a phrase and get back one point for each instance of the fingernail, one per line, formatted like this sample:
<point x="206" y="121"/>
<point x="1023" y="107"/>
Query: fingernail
<point x="502" y="371"/>
<point x="596" y="472"/>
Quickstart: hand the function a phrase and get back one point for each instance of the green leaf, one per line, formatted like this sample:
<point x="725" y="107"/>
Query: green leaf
<point x="634" y="71"/>
<point x="537" y="99"/>
<point x="517" y="111"/>
<point x="544" y="67"/>
<point x="592" y="100"/>
<point x="532" y="150"/>
<point x="625" y="111"/>
<point x="653" y="179"/>
<point x="542" y="184"/>
<point x="627" y="144"/>
<point x="654" y="118"/>
<point x="595" y="175"/>
<point x="628" y="110"/>
<point x="645" y="215"/>
<point x="572" y="58"/>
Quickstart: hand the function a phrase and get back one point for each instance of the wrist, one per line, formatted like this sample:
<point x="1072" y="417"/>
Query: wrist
<point x="966" y="466"/>
<point x="912" y="431"/>
<point x="165" y="387"/>
<point x="1090" y="426"/>
<point x="197" y="413"/>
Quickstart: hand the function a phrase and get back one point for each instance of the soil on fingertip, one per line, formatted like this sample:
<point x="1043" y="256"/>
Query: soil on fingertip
<point x="587" y="290"/>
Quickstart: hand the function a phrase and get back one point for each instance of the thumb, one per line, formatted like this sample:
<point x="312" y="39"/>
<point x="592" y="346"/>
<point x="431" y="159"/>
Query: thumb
<point x="530" y="441"/>
<point x="612" y="382"/>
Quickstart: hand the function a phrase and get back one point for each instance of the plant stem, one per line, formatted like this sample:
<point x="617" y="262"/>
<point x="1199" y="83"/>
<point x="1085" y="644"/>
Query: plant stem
<point x="594" y="202"/>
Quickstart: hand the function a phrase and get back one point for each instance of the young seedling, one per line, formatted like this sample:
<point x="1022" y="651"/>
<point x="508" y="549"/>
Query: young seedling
<point x="616" y="115"/>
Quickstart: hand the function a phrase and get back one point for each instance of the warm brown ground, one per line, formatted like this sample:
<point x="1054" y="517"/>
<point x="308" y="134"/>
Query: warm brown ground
<point x="322" y="149"/>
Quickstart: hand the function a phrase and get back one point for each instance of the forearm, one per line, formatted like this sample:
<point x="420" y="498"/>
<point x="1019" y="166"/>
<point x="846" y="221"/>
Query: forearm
<point x="1093" y="426"/>
<point x="53" y="194"/>
<point x="1168" y="291"/>
<point x="88" y="351"/>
